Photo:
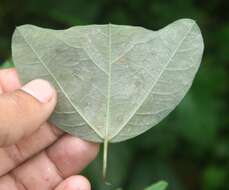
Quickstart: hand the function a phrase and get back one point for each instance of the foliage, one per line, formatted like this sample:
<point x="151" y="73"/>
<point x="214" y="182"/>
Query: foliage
<point x="190" y="148"/>
<point x="158" y="186"/>
<point x="161" y="185"/>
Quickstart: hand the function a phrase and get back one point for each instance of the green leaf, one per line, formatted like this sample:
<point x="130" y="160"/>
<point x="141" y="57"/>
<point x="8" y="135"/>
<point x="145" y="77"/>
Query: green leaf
<point x="114" y="82"/>
<point x="158" y="186"/>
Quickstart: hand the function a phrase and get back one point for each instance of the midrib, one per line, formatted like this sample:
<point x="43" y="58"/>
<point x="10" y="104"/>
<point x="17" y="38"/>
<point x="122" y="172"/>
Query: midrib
<point x="107" y="124"/>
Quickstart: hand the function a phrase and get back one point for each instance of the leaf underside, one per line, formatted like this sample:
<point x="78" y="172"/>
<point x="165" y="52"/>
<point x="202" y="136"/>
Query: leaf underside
<point x="113" y="81"/>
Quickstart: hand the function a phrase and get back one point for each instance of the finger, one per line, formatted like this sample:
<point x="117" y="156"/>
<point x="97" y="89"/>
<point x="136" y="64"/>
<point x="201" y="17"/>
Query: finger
<point x="14" y="155"/>
<point x="1" y="90"/>
<point x="9" y="80"/>
<point x="69" y="155"/>
<point x="24" y="111"/>
<point x="75" y="183"/>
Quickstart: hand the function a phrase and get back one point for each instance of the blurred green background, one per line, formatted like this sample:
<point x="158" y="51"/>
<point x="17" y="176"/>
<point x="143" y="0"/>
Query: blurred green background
<point x="190" y="148"/>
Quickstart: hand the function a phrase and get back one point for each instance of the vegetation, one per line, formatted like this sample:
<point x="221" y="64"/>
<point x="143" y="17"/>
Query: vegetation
<point x="189" y="149"/>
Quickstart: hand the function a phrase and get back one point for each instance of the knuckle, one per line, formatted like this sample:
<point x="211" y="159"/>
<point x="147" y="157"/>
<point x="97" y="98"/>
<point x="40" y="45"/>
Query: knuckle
<point x="14" y="153"/>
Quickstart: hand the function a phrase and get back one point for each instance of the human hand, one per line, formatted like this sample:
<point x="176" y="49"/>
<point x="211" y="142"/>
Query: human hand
<point x="34" y="155"/>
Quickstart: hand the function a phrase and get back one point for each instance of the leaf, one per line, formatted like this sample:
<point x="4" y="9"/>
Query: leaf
<point x="158" y="186"/>
<point x="161" y="185"/>
<point x="114" y="82"/>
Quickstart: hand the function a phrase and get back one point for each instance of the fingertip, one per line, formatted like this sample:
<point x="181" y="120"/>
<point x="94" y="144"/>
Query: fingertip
<point x="75" y="183"/>
<point x="86" y="146"/>
<point x="71" y="155"/>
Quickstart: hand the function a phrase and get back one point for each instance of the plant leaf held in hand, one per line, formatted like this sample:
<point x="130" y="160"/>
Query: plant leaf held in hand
<point x="114" y="82"/>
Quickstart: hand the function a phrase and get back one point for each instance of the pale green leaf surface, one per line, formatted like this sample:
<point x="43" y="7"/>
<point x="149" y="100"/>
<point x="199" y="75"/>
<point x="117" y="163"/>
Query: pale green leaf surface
<point x="114" y="82"/>
<point x="161" y="185"/>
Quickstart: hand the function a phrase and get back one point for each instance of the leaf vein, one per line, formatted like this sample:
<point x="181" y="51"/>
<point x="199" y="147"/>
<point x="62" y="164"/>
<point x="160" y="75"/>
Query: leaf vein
<point x="155" y="82"/>
<point x="58" y="84"/>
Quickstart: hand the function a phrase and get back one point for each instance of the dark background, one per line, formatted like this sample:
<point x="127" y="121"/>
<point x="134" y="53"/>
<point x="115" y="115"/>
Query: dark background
<point x="190" y="148"/>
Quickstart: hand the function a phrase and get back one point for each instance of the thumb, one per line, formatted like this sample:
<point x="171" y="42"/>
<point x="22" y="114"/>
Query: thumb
<point x="25" y="110"/>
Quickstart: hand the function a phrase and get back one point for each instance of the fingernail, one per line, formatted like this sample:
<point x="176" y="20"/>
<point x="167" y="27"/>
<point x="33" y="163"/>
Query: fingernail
<point x="39" y="89"/>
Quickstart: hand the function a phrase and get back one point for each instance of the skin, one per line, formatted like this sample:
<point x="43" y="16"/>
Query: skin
<point x="35" y="155"/>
